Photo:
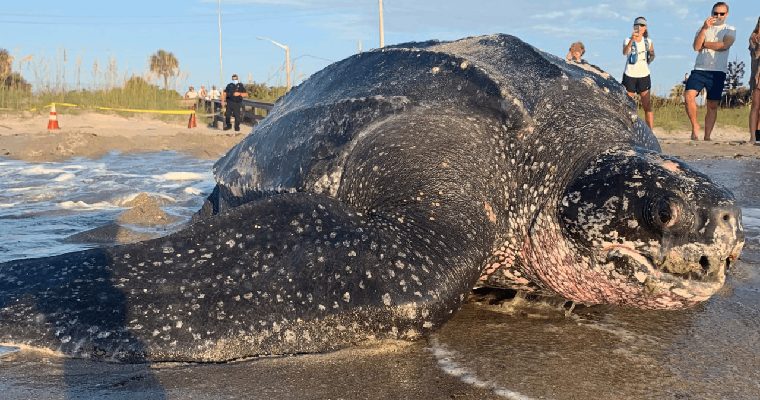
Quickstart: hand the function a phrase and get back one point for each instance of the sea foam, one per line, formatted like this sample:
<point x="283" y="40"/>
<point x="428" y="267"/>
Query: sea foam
<point x="180" y="176"/>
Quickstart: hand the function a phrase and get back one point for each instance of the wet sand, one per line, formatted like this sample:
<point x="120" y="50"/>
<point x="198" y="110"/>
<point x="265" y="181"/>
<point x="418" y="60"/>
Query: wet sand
<point x="510" y="349"/>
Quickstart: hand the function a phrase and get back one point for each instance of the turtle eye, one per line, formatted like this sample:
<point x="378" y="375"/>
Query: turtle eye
<point x="663" y="213"/>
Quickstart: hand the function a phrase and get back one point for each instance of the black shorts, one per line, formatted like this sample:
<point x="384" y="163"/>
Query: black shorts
<point x="637" y="85"/>
<point x="712" y="81"/>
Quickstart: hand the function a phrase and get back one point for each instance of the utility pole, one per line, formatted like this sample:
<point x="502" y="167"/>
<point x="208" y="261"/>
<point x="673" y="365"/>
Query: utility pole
<point x="382" y="32"/>
<point x="359" y="46"/>
<point x="287" y="58"/>
<point x="221" y="69"/>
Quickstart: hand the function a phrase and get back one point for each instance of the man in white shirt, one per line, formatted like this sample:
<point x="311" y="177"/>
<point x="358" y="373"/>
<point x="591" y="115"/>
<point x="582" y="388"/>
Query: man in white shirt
<point x="712" y="42"/>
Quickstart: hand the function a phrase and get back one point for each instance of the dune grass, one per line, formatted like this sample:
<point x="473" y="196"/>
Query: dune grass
<point x="671" y="116"/>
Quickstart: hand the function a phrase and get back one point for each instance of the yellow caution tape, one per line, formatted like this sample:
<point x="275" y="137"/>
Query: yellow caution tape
<point x="175" y="112"/>
<point x="61" y="104"/>
<point x="134" y="110"/>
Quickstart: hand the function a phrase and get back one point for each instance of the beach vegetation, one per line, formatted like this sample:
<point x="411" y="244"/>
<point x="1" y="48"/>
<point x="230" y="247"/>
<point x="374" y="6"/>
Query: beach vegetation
<point x="164" y="64"/>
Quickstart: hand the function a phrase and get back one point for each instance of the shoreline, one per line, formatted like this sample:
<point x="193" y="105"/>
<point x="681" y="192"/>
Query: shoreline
<point x="92" y="135"/>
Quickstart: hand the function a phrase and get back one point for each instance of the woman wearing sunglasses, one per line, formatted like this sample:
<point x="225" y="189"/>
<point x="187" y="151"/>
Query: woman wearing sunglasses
<point x="754" y="85"/>
<point x="639" y="52"/>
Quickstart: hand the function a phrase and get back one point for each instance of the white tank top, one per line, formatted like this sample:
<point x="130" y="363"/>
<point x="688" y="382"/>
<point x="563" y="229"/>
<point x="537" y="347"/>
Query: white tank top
<point x="641" y="68"/>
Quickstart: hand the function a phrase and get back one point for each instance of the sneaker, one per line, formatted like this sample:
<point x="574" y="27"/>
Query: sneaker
<point x="226" y="128"/>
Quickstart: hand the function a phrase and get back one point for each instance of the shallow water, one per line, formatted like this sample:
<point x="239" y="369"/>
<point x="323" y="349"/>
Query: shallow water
<point x="43" y="203"/>
<point x="712" y="351"/>
<point x="518" y="350"/>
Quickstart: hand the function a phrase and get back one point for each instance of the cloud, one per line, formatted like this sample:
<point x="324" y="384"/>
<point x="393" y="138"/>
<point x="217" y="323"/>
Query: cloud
<point x="602" y="11"/>
<point x="571" y="32"/>
<point x="672" y="57"/>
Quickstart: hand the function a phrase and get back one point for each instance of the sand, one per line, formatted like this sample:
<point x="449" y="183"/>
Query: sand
<point x="94" y="134"/>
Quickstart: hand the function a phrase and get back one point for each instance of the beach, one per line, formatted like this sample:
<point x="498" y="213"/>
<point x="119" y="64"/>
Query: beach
<point x="515" y="349"/>
<point x="91" y="135"/>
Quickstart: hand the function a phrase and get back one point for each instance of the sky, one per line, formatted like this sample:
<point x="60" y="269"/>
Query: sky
<point x="61" y="41"/>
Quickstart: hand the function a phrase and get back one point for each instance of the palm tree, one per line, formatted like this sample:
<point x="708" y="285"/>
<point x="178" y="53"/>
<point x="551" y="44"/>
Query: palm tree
<point x="164" y="64"/>
<point x="6" y="63"/>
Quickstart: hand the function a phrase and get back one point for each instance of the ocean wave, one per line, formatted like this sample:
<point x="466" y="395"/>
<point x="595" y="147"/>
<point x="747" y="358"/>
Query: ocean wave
<point x="7" y="205"/>
<point x="64" y="177"/>
<point x="192" y="190"/>
<point x="180" y="176"/>
<point x="23" y="189"/>
<point x="81" y="205"/>
<point x="41" y="170"/>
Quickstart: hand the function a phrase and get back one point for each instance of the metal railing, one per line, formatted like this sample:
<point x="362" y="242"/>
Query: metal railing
<point x="253" y="110"/>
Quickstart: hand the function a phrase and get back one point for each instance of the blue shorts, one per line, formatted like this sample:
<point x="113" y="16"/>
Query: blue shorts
<point x="713" y="81"/>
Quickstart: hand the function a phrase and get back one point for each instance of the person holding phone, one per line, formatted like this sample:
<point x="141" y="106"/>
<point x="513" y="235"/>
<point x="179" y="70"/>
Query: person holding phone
<point x="712" y="42"/>
<point x="754" y="85"/>
<point x="639" y="52"/>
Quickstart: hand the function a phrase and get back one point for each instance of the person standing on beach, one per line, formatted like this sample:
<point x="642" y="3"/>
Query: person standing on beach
<point x="712" y="43"/>
<point x="191" y="94"/>
<point x="233" y="97"/>
<point x="639" y="52"/>
<point x="754" y="85"/>
<point x="576" y="52"/>
<point x="214" y="95"/>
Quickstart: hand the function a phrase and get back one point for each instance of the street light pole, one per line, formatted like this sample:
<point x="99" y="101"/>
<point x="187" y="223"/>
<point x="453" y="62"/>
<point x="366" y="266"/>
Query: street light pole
<point x="221" y="69"/>
<point x="382" y="31"/>
<point x="287" y="58"/>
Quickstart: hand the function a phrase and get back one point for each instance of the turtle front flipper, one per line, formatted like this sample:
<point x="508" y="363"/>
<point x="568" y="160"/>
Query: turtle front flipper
<point x="288" y="274"/>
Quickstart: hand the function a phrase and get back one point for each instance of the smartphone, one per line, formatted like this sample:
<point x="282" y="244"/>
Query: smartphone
<point x="636" y="29"/>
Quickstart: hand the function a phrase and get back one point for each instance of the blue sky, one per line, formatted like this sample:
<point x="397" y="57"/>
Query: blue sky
<point x="124" y="34"/>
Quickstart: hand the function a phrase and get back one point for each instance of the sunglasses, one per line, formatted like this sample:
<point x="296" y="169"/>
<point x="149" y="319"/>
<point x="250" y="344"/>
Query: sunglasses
<point x="718" y="14"/>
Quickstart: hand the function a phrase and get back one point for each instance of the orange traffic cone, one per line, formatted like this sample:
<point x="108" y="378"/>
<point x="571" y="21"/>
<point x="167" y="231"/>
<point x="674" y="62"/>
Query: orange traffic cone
<point x="191" y="123"/>
<point x="53" y="120"/>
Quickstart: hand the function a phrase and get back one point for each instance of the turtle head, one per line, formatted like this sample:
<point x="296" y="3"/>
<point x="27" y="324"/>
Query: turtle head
<point x="651" y="232"/>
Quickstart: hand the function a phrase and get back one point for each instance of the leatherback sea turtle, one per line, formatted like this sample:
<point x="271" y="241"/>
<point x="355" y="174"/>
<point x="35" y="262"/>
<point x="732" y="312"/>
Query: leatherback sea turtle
<point x="376" y="195"/>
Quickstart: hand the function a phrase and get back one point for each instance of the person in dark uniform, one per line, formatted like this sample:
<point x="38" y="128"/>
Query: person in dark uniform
<point x="233" y="96"/>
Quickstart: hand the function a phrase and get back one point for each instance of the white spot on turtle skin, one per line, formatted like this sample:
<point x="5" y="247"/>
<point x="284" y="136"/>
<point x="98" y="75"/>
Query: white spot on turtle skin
<point x="464" y="65"/>
<point x="230" y="243"/>
<point x="387" y="299"/>
<point x="671" y="166"/>
<point x="435" y="70"/>
<point x="347" y="297"/>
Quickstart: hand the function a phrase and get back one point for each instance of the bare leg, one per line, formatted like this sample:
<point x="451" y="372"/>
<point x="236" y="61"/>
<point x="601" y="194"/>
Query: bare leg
<point x="647" y="104"/>
<point x="754" y="115"/>
<point x="690" y="99"/>
<point x="710" y="117"/>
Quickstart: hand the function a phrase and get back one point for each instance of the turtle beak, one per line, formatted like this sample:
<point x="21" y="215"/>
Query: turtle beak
<point x="721" y="238"/>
